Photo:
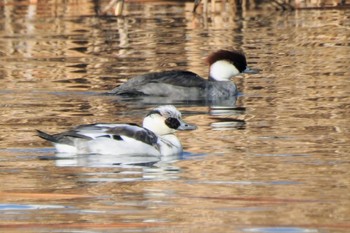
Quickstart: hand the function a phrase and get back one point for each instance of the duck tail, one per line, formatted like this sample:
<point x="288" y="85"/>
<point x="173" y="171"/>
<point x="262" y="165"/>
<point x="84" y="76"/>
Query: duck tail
<point x="46" y="136"/>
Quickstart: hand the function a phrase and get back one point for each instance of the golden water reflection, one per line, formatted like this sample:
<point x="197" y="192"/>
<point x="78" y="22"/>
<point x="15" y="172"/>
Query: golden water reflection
<point x="277" y="161"/>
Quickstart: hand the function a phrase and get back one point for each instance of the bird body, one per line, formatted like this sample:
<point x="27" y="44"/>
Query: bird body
<point x="155" y="137"/>
<point x="223" y="65"/>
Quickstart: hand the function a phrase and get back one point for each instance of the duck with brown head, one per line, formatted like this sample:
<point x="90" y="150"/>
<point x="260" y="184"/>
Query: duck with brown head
<point x="179" y="84"/>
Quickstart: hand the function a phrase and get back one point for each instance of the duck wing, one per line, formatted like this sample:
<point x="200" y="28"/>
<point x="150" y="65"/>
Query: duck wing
<point x="136" y="132"/>
<point x="93" y="131"/>
<point x="178" y="78"/>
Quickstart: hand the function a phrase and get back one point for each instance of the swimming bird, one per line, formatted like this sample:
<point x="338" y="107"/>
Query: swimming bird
<point x="156" y="137"/>
<point x="180" y="84"/>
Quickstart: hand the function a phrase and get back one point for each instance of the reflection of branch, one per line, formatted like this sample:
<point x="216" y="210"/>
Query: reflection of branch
<point x="116" y="5"/>
<point x="196" y="4"/>
<point x="284" y="5"/>
<point x="109" y="6"/>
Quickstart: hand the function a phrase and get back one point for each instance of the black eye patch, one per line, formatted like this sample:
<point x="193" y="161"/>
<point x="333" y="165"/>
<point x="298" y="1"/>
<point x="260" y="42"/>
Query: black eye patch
<point x="172" y="123"/>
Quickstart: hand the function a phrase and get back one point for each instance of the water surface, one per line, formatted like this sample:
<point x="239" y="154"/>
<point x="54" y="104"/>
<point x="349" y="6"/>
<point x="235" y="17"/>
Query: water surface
<point x="278" y="161"/>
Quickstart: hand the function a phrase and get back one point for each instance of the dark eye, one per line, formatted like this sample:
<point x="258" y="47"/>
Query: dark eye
<point x="172" y="122"/>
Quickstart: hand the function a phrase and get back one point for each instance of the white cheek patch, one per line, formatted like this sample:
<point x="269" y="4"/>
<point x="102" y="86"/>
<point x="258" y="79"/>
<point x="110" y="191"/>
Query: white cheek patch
<point x="223" y="70"/>
<point x="156" y="124"/>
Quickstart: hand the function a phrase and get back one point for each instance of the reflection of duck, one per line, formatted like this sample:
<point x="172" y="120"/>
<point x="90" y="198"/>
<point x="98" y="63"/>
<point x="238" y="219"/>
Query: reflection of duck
<point x="156" y="137"/>
<point x="227" y="118"/>
<point x="185" y="85"/>
<point x="105" y="160"/>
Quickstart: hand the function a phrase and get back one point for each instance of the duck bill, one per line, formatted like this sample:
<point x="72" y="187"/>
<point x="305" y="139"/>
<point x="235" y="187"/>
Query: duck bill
<point x="250" y="71"/>
<point x="186" y="126"/>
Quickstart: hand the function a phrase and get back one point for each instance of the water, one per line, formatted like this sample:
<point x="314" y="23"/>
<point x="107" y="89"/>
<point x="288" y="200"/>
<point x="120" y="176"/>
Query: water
<point x="275" y="162"/>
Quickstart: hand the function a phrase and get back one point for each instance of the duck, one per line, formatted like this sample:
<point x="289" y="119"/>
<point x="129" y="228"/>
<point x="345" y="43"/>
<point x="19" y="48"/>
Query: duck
<point x="156" y="136"/>
<point x="180" y="84"/>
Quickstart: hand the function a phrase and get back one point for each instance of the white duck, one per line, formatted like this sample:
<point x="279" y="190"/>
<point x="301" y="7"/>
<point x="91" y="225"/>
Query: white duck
<point x="155" y="138"/>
